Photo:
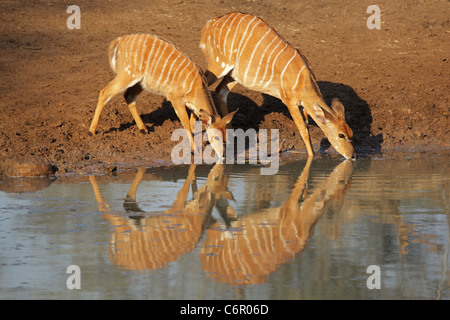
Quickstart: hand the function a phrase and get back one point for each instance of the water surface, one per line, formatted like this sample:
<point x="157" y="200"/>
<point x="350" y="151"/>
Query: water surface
<point x="227" y="232"/>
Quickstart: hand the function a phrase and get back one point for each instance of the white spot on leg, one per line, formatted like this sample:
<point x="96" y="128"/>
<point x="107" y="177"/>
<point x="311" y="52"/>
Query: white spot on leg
<point x="224" y="94"/>
<point x="132" y="83"/>
<point x="191" y="107"/>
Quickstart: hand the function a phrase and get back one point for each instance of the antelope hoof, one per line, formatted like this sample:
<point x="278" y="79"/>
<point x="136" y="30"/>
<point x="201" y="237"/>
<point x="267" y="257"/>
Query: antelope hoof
<point x="91" y="134"/>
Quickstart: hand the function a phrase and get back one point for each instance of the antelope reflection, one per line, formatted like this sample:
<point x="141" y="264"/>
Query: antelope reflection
<point x="236" y="249"/>
<point x="143" y="243"/>
<point x="254" y="246"/>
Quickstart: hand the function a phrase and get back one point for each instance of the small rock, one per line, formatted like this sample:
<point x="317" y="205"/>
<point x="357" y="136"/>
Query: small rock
<point x="31" y="168"/>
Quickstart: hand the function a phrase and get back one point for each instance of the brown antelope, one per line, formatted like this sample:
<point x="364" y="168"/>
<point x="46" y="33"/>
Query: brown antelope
<point x="151" y="242"/>
<point x="143" y="61"/>
<point x="256" y="244"/>
<point x="241" y="48"/>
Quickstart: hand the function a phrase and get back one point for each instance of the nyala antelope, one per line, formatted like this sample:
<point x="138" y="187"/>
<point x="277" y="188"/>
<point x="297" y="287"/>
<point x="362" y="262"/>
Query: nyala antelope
<point x="147" y="62"/>
<point x="241" y="48"/>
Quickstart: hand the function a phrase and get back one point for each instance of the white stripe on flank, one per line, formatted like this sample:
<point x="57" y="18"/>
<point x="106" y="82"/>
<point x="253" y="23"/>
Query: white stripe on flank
<point x="229" y="269"/>
<point x="192" y="82"/>
<point x="242" y="265"/>
<point x="234" y="37"/>
<point x="226" y="35"/>
<point x="214" y="42"/>
<point x="164" y="67"/>
<point x="284" y="70"/>
<point x="245" y="264"/>
<point x="125" y="45"/>
<point x="285" y="241"/>
<point x="152" y="57"/>
<point x="144" y="46"/>
<point x="220" y="35"/>
<point x="261" y="60"/>
<point x="242" y="50"/>
<point x="273" y="65"/>
<point x="175" y="73"/>
<point x="255" y="49"/>
<point x="187" y="63"/>
<point x="149" y="57"/>
<point x="298" y="77"/>
<point x="131" y="48"/>
<point x="268" y="59"/>
<point x="169" y="73"/>
<point x="159" y="55"/>
<point x="137" y="47"/>
<point x="262" y="245"/>
<point x="243" y="38"/>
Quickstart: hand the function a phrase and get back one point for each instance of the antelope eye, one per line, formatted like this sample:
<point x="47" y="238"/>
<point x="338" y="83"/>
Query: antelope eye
<point x="341" y="136"/>
<point x="216" y="138"/>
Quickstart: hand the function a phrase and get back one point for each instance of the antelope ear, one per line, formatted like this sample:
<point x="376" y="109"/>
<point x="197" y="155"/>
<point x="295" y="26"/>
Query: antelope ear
<point x="206" y="118"/>
<point x="320" y="113"/>
<point x="338" y="108"/>
<point x="227" y="119"/>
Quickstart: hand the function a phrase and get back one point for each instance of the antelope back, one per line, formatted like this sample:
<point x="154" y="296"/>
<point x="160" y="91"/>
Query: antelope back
<point x="259" y="57"/>
<point x="155" y="62"/>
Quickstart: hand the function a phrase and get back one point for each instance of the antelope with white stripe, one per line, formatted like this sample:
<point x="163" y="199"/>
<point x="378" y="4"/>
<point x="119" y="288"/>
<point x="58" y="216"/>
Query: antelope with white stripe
<point x="241" y="48"/>
<point x="143" y="61"/>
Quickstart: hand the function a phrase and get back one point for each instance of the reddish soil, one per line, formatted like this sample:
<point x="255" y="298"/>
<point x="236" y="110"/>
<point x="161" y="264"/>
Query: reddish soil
<point x="394" y="81"/>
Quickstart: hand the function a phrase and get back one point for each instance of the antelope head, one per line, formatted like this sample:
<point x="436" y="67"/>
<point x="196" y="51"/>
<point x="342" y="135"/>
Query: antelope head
<point x="335" y="128"/>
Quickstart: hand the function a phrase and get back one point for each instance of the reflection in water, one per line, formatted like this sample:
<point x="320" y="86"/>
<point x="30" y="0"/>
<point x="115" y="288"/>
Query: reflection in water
<point x="25" y="185"/>
<point x="236" y="250"/>
<point x="237" y="235"/>
<point x="254" y="246"/>
<point x="141" y="243"/>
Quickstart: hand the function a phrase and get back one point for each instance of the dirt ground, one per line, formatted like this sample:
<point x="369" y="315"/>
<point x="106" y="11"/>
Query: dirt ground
<point x="394" y="81"/>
